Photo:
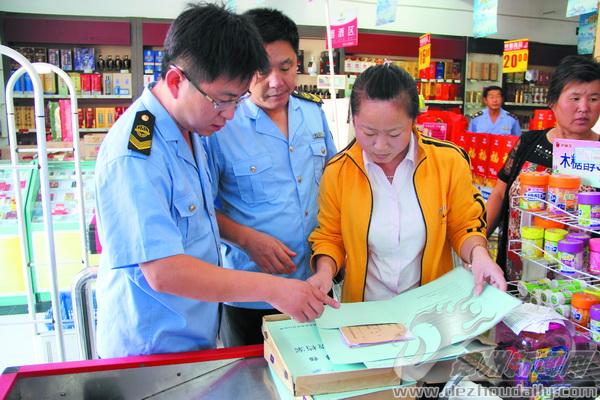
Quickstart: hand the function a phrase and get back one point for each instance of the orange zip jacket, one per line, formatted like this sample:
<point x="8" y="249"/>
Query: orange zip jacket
<point x="451" y="206"/>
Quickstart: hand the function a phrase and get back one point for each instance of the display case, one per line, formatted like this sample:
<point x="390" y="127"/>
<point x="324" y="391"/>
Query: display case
<point x="539" y="263"/>
<point x="65" y="218"/>
<point x="13" y="285"/>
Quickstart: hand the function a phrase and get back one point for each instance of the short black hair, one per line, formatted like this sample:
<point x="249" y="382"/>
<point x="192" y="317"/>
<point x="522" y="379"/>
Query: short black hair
<point x="488" y="89"/>
<point x="273" y="25"/>
<point x="572" y="69"/>
<point x="386" y="82"/>
<point x="207" y="41"/>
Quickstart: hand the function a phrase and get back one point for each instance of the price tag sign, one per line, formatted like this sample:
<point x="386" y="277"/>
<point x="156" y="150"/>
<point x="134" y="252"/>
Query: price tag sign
<point x="424" y="51"/>
<point x="515" y="56"/>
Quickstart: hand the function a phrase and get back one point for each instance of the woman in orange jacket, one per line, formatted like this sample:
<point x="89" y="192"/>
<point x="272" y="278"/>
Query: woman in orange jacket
<point x="394" y="202"/>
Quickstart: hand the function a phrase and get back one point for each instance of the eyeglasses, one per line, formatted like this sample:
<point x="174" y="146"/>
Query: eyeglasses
<point x="217" y="104"/>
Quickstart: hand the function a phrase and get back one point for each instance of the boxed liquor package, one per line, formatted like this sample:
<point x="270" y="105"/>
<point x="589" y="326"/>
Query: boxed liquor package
<point x="66" y="59"/>
<point x="84" y="59"/>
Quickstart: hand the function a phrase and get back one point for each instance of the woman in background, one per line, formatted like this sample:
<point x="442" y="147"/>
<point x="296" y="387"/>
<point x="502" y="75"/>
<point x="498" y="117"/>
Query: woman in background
<point x="574" y="97"/>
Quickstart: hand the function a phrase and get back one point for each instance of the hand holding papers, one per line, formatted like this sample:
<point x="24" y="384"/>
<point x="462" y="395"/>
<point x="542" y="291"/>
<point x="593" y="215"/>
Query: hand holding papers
<point x="442" y="313"/>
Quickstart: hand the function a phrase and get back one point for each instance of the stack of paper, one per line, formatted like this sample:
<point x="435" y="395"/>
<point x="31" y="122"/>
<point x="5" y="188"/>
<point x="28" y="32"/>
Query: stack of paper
<point x="444" y="316"/>
<point x="532" y="318"/>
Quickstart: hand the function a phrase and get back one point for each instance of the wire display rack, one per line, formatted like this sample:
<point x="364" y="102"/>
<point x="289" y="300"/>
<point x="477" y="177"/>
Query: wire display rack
<point x="556" y="214"/>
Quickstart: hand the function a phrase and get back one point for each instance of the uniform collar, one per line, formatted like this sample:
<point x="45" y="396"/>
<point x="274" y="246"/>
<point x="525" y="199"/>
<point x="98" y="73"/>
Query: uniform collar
<point x="503" y="112"/>
<point x="166" y="127"/>
<point x="251" y="110"/>
<point x="263" y="123"/>
<point x="165" y="124"/>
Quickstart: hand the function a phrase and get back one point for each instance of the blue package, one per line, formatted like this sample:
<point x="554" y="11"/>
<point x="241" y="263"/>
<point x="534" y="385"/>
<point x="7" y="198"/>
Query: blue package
<point x="27" y="84"/>
<point x="148" y="62"/>
<point x="158" y="57"/>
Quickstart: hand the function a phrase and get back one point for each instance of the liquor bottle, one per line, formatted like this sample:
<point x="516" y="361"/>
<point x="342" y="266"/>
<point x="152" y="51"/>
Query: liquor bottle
<point x="126" y="62"/>
<point x="118" y="63"/>
<point x="100" y="63"/>
<point x="110" y="64"/>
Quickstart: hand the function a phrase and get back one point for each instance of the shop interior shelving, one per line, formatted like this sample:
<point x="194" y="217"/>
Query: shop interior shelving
<point x="548" y="261"/>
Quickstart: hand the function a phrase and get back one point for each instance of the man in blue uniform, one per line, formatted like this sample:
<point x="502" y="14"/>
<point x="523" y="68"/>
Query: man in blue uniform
<point x="494" y="119"/>
<point x="267" y="163"/>
<point x="160" y="277"/>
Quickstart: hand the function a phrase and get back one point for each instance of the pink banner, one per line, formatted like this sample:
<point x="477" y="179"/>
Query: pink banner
<point x="345" y="32"/>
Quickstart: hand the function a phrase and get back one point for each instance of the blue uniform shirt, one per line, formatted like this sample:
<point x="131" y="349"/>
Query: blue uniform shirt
<point x="268" y="182"/>
<point x="506" y="123"/>
<point x="150" y="207"/>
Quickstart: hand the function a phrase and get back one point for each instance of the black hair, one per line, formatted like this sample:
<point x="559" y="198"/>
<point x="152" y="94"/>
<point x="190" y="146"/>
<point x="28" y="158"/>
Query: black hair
<point x="207" y="41"/>
<point x="572" y="69"/>
<point x="273" y="25"/>
<point x="386" y="82"/>
<point x="488" y="89"/>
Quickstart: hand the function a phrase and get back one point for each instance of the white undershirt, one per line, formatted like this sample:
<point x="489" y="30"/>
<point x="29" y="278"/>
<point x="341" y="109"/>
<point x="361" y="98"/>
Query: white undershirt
<point x="397" y="231"/>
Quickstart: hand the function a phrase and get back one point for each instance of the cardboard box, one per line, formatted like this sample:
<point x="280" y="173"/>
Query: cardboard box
<point x="84" y="59"/>
<point x="493" y="71"/>
<point x="485" y="71"/>
<point x="76" y="78"/>
<point x="90" y="145"/>
<point x="323" y="382"/>
<point x="86" y="84"/>
<point x="101" y="118"/>
<point x="54" y="57"/>
<point x="122" y="84"/>
<point x="49" y="83"/>
<point x="66" y="59"/>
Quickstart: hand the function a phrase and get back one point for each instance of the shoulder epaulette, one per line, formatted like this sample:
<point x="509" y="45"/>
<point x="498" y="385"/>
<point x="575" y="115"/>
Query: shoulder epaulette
<point x="140" y="138"/>
<point x="477" y="114"/>
<point x="512" y="115"/>
<point x="308" y="97"/>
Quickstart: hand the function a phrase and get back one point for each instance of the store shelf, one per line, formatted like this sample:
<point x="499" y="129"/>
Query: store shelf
<point x="444" y="102"/>
<point x="531" y="105"/>
<point x="558" y="215"/>
<point x="81" y="130"/>
<point x="79" y="96"/>
<point x="554" y="265"/>
<point x="440" y="80"/>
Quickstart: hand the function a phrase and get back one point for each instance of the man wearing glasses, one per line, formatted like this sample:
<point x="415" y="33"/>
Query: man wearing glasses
<point x="160" y="278"/>
<point x="267" y="163"/>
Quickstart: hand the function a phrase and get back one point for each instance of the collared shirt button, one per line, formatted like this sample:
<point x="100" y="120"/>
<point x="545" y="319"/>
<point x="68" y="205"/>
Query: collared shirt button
<point x="192" y="207"/>
<point x="323" y="150"/>
<point x="299" y="179"/>
<point x="306" y="213"/>
<point x="291" y="149"/>
<point x="253" y="169"/>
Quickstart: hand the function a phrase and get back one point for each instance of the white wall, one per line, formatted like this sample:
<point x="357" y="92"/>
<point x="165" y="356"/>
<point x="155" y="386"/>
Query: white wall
<point x="539" y="20"/>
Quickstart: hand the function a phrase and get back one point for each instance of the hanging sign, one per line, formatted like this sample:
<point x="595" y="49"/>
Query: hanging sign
<point x="344" y="30"/>
<point x="577" y="157"/>
<point x="424" y="51"/>
<point x="385" y="12"/>
<point x="485" y="17"/>
<point x="515" y="56"/>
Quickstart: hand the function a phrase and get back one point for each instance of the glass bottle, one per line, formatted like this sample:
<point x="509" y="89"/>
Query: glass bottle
<point x="118" y="63"/>
<point x="126" y="62"/>
<point x="100" y="63"/>
<point x="110" y="64"/>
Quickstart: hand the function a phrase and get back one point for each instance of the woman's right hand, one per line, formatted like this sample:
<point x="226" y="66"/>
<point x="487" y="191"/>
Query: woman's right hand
<point x="323" y="278"/>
